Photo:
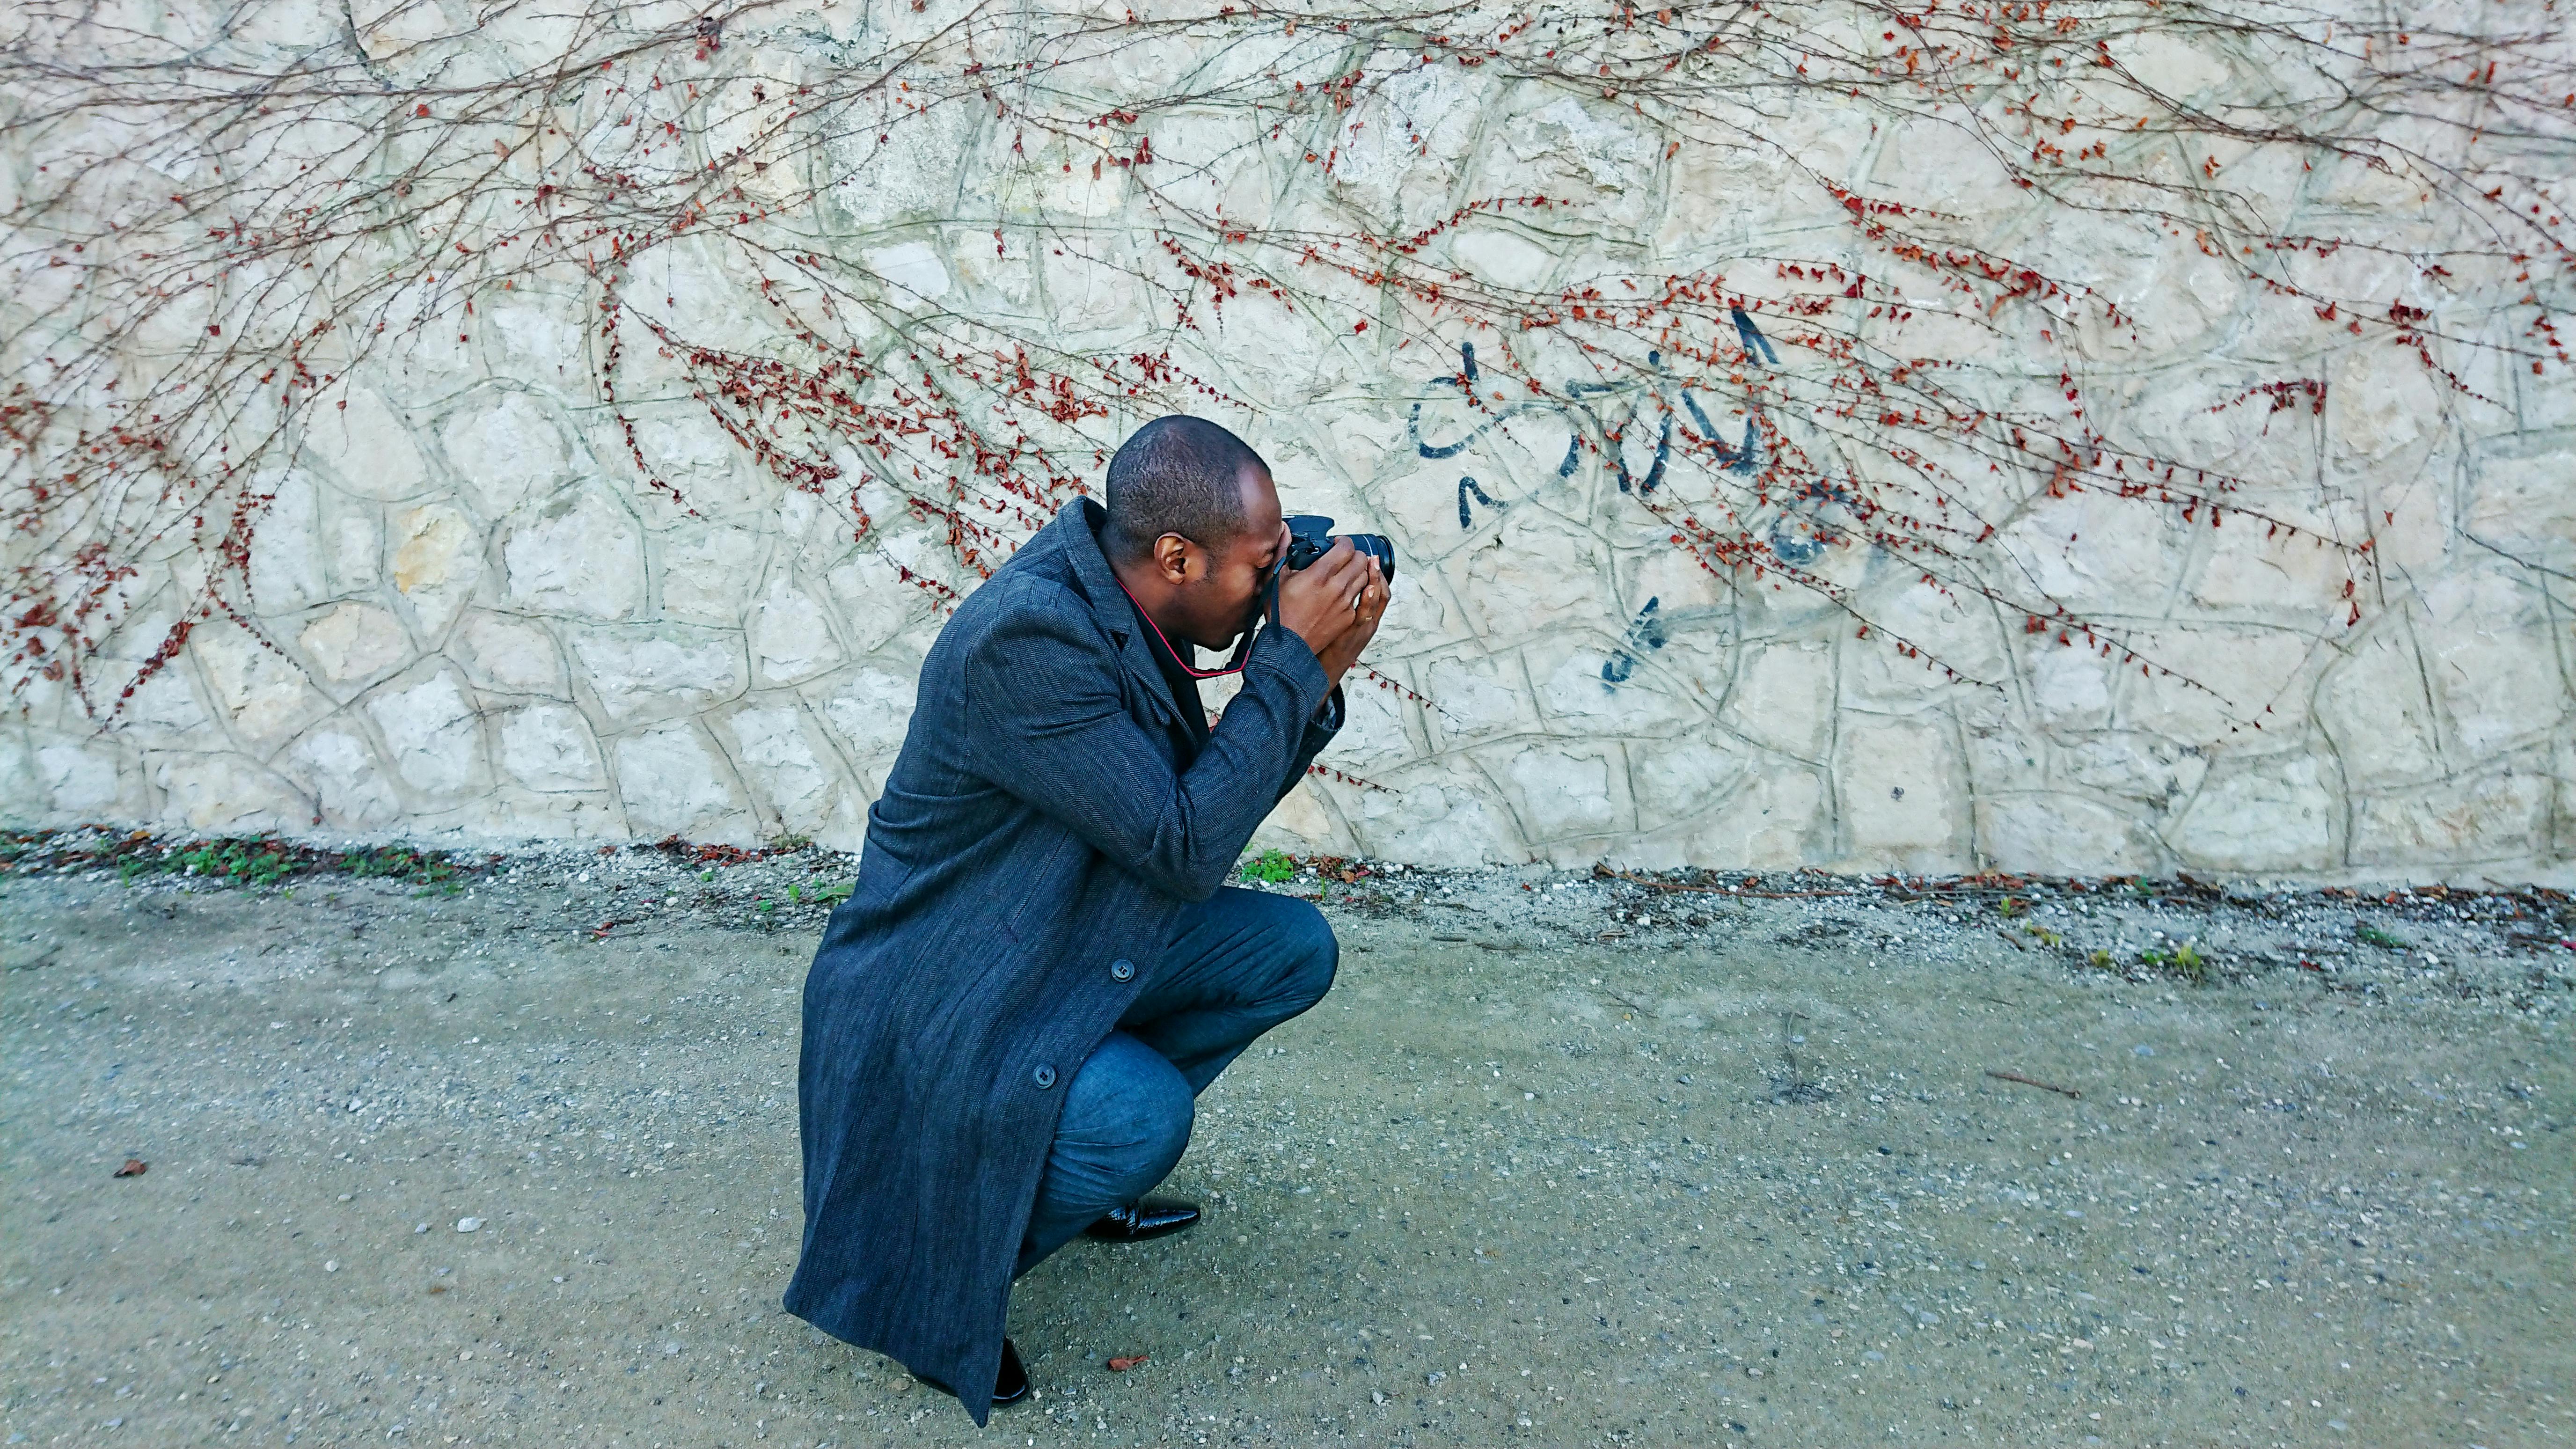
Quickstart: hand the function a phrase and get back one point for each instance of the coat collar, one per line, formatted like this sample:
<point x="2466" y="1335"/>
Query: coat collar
<point x="1075" y="533"/>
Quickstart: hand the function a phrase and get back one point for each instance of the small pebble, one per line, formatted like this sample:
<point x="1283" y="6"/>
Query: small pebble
<point x="468" y="1225"/>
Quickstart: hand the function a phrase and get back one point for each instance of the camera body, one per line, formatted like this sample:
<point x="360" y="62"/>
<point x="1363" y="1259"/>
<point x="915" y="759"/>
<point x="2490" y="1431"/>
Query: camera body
<point x="1310" y="534"/>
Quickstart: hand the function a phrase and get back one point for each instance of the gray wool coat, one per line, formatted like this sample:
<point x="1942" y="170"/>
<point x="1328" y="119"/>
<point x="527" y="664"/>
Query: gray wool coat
<point x="1040" y="829"/>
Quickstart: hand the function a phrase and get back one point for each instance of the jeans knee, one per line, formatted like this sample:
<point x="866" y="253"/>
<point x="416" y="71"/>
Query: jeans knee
<point x="1315" y="956"/>
<point x="1162" y="1132"/>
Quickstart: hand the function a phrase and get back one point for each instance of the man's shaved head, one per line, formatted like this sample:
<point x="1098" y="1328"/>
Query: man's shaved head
<point x="1177" y="474"/>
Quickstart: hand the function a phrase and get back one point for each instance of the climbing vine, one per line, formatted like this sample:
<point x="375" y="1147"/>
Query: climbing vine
<point x="219" y="221"/>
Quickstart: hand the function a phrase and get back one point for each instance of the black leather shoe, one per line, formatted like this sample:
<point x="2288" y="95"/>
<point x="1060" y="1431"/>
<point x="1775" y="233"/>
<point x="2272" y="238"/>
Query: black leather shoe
<point x="1010" y="1385"/>
<point x="1146" y="1218"/>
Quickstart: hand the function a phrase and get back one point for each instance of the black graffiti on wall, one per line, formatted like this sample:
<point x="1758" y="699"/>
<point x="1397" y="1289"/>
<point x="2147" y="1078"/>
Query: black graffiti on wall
<point x="1586" y="411"/>
<point x="1645" y="632"/>
<point x="1581" y="407"/>
<point x="1467" y="488"/>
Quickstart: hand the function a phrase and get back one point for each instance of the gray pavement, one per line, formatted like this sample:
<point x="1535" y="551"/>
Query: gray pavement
<point x="1561" y="1160"/>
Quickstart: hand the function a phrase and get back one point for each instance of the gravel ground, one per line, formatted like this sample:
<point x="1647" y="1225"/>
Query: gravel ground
<point x="448" y="1152"/>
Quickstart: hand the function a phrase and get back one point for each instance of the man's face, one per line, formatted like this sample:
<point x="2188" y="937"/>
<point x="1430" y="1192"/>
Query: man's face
<point x="1224" y="582"/>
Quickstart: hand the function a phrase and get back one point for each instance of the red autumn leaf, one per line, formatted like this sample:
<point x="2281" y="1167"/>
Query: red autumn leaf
<point x="1122" y="1365"/>
<point x="134" y="1167"/>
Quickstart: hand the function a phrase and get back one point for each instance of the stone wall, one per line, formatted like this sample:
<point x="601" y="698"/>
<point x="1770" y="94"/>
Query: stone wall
<point x="470" y="615"/>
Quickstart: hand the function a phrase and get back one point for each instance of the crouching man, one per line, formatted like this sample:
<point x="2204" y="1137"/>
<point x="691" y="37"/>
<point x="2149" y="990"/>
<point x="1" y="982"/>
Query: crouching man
<point x="1038" y="969"/>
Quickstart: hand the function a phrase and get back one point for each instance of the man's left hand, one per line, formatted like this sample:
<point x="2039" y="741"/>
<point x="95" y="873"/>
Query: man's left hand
<point x="1368" y="605"/>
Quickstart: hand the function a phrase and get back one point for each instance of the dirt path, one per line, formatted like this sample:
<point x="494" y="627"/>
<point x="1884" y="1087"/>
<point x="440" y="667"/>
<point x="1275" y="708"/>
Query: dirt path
<point x="1749" y="1180"/>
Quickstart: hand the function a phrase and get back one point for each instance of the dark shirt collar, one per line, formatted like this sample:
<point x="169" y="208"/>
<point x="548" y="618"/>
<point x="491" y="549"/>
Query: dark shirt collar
<point x="1185" y="689"/>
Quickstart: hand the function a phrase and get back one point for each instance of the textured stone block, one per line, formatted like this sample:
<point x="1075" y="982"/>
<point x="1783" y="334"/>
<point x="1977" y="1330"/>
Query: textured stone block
<point x="671" y="781"/>
<point x="262" y="694"/>
<point x="77" y="781"/>
<point x="582" y="557"/>
<point x="1560" y="793"/>
<point x="438" y="558"/>
<point x="508" y="448"/>
<point x="367" y="448"/>
<point x="2158" y="772"/>
<point x="287" y="571"/>
<point x="1679" y="780"/>
<point x="647" y="671"/>
<point x="1783" y="697"/>
<point x="707" y="574"/>
<point x="433" y="731"/>
<point x="2521" y="502"/>
<point x="1778" y="818"/>
<point x="869" y="711"/>
<point x="346" y="780"/>
<point x="548" y="747"/>
<point x="1299" y="824"/>
<point x="2070" y="688"/>
<point x="791" y="637"/>
<point x="803" y="791"/>
<point x="2374" y="709"/>
<point x="2063" y="834"/>
<point x="513" y="656"/>
<point x="354" y="642"/>
<point x="2259" y="813"/>
<point x="2504" y="816"/>
<point x="1434" y="824"/>
<point x="216" y="792"/>
<point x="2499" y="677"/>
<point x="1903" y="794"/>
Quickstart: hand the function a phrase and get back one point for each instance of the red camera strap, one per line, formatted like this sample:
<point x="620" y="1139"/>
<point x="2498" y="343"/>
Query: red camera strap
<point x="1242" y="651"/>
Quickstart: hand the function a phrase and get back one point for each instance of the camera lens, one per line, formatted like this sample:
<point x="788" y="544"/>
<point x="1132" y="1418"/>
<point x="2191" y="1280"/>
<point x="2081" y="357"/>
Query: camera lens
<point x="1377" y="547"/>
<point x="1310" y="535"/>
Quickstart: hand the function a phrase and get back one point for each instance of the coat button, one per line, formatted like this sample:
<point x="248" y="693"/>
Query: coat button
<point x="1044" y="1077"/>
<point x="1122" y="970"/>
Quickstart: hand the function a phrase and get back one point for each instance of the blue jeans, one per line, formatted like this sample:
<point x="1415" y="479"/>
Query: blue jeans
<point x="1238" y="964"/>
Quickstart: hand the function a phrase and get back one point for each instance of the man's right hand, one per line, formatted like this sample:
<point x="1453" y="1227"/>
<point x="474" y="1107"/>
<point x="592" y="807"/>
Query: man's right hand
<point x="1324" y="602"/>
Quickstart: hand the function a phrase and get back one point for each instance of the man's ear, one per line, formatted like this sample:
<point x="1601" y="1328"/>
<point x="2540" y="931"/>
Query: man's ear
<point x="1172" y="558"/>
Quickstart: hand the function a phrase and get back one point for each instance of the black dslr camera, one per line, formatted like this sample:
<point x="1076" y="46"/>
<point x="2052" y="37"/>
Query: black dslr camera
<point x="1310" y="534"/>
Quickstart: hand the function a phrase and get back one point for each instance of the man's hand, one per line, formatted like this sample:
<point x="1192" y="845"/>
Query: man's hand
<point x="1334" y="605"/>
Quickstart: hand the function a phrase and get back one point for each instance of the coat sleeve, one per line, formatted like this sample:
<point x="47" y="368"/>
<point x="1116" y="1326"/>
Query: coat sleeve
<point x="1319" y="732"/>
<point x="1050" y="725"/>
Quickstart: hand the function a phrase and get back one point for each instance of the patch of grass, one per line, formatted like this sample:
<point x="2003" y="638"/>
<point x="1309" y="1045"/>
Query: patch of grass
<point x="1270" y="866"/>
<point x="255" y="862"/>
<point x="2184" y="961"/>
<point x="2098" y="960"/>
<point x="395" y="863"/>
<point x="258" y="860"/>
<point x="2189" y="963"/>
<point x="2009" y="908"/>
<point x="2377" y="937"/>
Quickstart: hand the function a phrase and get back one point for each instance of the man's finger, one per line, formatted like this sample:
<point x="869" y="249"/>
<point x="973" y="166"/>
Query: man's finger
<point x="1341" y="583"/>
<point x="1364" y="571"/>
<point x="1328" y="571"/>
